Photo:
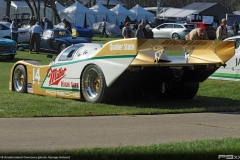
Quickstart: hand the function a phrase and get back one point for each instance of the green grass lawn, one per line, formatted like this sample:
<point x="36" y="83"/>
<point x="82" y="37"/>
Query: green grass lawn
<point x="213" y="96"/>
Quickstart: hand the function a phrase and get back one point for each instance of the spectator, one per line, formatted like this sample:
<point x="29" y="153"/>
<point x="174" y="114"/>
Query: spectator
<point x="4" y="18"/>
<point x="127" y="31"/>
<point x="121" y="25"/>
<point x="136" y="26"/>
<point x="47" y="24"/>
<point x="197" y="34"/>
<point x="41" y="23"/>
<point x="32" y="21"/>
<point x="8" y="20"/>
<point x="103" y="25"/>
<point x="139" y="32"/>
<point x="235" y="28"/>
<point x="14" y="30"/>
<point x="35" y="37"/>
<point x="67" y="25"/>
<point x="222" y="32"/>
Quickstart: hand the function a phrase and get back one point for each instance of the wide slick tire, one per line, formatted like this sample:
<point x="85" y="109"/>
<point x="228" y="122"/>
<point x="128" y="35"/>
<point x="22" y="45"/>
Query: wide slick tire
<point x="93" y="85"/>
<point x="182" y="90"/>
<point x="19" y="79"/>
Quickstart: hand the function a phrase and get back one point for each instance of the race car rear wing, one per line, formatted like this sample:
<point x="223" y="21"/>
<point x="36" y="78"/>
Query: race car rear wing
<point x="152" y="51"/>
<point x="197" y="51"/>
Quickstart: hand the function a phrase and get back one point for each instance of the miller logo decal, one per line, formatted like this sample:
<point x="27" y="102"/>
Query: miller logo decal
<point x="56" y="75"/>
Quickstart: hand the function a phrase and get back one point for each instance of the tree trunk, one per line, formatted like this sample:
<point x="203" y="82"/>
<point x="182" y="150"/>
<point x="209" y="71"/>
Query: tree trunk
<point x="30" y="6"/>
<point x="8" y="8"/>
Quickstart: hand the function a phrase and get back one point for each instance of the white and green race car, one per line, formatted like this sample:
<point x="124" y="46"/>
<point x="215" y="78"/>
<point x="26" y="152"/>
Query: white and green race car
<point x="122" y="68"/>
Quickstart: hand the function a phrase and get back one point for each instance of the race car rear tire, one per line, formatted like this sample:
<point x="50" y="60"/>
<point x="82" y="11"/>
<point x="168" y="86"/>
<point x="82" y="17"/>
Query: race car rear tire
<point x="182" y="90"/>
<point x="93" y="85"/>
<point x="19" y="79"/>
<point x="190" y="90"/>
<point x="10" y="57"/>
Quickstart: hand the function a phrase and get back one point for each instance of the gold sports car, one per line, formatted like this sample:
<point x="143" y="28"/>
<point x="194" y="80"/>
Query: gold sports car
<point x="123" y="68"/>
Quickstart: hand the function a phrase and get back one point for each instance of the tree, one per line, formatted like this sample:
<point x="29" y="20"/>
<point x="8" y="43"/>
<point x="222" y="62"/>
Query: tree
<point x="30" y="6"/>
<point x="51" y="4"/>
<point x="8" y="8"/>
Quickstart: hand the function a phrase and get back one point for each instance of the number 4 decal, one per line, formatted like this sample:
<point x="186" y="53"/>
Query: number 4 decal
<point x="36" y="76"/>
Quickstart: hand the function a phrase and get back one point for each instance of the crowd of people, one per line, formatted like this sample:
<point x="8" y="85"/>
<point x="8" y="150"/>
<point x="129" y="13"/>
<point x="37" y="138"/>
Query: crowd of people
<point x="139" y="30"/>
<point x="36" y="28"/>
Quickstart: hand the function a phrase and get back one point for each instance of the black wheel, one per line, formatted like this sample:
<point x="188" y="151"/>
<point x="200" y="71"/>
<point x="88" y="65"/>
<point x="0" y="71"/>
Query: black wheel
<point x="182" y="90"/>
<point x="10" y="56"/>
<point x="190" y="89"/>
<point x="93" y="85"/>
<point x="175" y="36"/>
<point x="61" y="47"/>
<point x="19" y="79"/>
<point x="7" y="37"/>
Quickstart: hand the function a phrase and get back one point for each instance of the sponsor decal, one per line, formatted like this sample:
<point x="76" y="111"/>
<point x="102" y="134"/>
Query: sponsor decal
<point x="62" y="93"/>
<point x="119" y="47"/>
<point x="75" y="85"/>
<point x="237" y="61"/>
<point x="65" y="84"/>
<point x="184" y="42"/>
<point x="29" y="88"/>
<point x="56" y="75"/>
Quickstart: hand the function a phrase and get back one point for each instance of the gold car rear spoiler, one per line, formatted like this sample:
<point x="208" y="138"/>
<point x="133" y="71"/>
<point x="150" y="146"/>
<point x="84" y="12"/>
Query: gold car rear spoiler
<point x="196" y="51"/>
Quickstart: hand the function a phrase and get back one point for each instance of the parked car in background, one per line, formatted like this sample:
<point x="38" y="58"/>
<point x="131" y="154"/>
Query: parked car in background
<point x="58" y="39"/>
<point x="8" y="48"/>
<point x="5" y="32"/>
<point x="211" y="30"/>
<point x="172" y="30"/>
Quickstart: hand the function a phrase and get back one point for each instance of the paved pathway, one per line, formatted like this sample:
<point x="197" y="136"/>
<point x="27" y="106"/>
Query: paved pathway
<point x="39" y="134"/>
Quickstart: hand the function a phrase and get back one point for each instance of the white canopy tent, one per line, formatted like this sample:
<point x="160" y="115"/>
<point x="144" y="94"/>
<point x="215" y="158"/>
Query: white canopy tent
<point x="142" y="14"/>
<point x="59" y="6"/>
<point x="103" y="12"/>
<point x="122" y="13"/>
<point x="176" y="12"/>
<point x="22" y="7"/>
<point x="79" y="15"/>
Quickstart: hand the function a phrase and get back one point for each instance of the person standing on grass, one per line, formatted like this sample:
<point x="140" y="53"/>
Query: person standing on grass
<point x="103" y="25"/>
<point x="14" y="30"/>
<point x="47" y="24"/>
<point x="127" y="31"/>
<point x="35" y="37"/>
<point x="139" y="32"/>
<point x="235" y="28"/>
<point x="222" y="31"/>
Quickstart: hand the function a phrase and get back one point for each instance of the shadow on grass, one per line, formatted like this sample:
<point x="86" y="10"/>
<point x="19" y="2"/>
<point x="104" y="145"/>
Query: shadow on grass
<point x="207" y="103"/>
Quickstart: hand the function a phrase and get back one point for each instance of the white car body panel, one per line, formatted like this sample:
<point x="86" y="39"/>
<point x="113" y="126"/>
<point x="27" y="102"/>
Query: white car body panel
<point x="232" y="69"/>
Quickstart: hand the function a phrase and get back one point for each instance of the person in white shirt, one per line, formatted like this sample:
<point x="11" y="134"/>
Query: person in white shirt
<point x="103" y="25"/>
<point x="14" y="30"/>
<point x="35" y="37"/>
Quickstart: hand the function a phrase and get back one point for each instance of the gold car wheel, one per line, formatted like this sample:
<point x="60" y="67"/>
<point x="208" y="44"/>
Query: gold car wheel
<point x="93" y="84"/>
<point x="20" y="79"/>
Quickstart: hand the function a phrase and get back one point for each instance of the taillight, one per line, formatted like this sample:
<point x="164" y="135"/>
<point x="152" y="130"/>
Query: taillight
<point x="23" y="32"/>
